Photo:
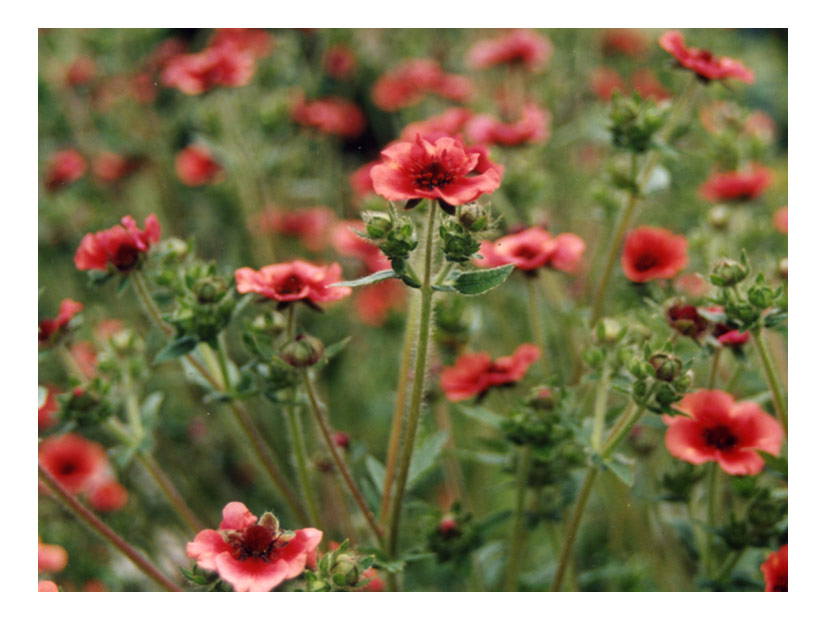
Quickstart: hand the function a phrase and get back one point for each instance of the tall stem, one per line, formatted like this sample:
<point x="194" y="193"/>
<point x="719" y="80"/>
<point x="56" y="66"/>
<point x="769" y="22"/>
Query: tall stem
<point x="337" y="458"/>
<point x="773" y="378"/>
<point x="713" y="372"/>
<point x="601" y="401"/>
<point x="399" y="409"/>
<point x="710" y="515"/>
<point x="300" y="456"/>
<point x="103" y="530"/>
<point x="523" y="464"/>
<point x="536" y="324"/>
<point x="170" y="492"/>
<point x="419" y="384"/>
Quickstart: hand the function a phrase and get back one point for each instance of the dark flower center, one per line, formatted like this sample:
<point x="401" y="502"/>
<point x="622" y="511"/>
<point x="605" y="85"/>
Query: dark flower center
<point x="720" y="437"/>
<point x="67" y="468"/>
<point x="432" y="175"/>
<point x="256" y="541"/>
<point x="291" y="285"/>
<point x="525" y="251"/>
<point x="780" y="585"/>
<point x="646" y="261"/>
<point x="125" y="257"/>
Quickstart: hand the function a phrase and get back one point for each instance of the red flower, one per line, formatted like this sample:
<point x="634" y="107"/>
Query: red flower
<point x="108" y="496"/>
<point x="85" y="357"/>
<point x="692" y="285"/>
<point x="702" y="62"/>
<point x="309" y="224"/>
<point x="349" y="243"/>
<point x="628" y="41"/>
<point x="408" y="84"/>
<point x="296" y="280"/>
<point x="605" y="81"/>
<point x="253" y="555"/>
<point x="686" y="320"/>
<point x="47" y="586"/>
<point x="48" y="327"/>
<point x="47" y="409"/>
<point x="331" y="115"/>
<point x="653" y="253"/>
<point x="255" y="41"/>
<point x="533" y="248"/>
<point x="719" y="429"/>
<point x="439" y="170"/>
<point x="360" y="181"/>
<point x="779" y="220"/>
<point x="375" y="582"/>
<point x="73" y="461"/>
<point x="195" y="166"/>
<point x="50" y="557"/>
<point x="518" y="47"/>
<point x="217" y="65"/>
<point x="110" y="167"/>
<point x="81" y="71"/>
<point x="122" y="246"/>
<point x="737" y="185"/>
<point x="448" y="123"/>
<point x="646" y="83"/>
<point x="531" y="127"/>
<point x="726" y="334"/>
<point x="65" y="167"/>
<point x="775" y="571"/>
<point x="473" y="374"/>
<point x="339" y="61"/>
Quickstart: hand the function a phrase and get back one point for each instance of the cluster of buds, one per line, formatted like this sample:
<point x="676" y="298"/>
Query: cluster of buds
<point x="537" y="424"/>
<point x="634" y="121"/>
<point x="763" y="305"/>
<point x="607" y="333"/>
<point x="122" y="357"/>
<point x="667" y="370"/>
<point x="205" y="303"/>
<point x="393" y="234"/>
<point x="460" y="234"/>
<point x="340" y="570"/>
<point x="453" y="536"/>
<point x="86" y="407"/>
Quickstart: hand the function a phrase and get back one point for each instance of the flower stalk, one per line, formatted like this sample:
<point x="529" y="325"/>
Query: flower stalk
<point x="772" y="375"/>
<point x="513" y="566"/>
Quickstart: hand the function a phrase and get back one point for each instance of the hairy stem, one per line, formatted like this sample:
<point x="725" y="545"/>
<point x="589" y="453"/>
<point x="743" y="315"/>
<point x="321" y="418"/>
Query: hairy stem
<point x="779" y="401"/>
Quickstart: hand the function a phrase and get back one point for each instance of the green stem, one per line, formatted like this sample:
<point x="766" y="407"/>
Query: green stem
<point x="773" y="379"/>
<point x="103" y="530"/>
<point x="729" y="565"/>
<point x="337" y="457"/>
<point x="300" y="457"/>
<point x="418" y="385"/>
<point x="601" y="400"/>
<point x="536" y="324"/>
<point x="713" y="372"/>
<point x="399" y="410"/>
<point x="512" y="572"/>
<point x="712" y="486"/>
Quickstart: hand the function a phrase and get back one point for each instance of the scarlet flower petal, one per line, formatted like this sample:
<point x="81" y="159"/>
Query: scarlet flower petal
<point x="741" y="462"/>
<point x="236" y="516"/>
<point x="207" y="545"/>
<point x="684" y="440"/>
<point x="250" y="575"/>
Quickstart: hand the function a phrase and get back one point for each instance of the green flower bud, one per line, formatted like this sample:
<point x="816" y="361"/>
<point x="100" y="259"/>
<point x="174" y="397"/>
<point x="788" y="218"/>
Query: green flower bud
<point x="783" y="266"/>
<point x="761" y="296"/>
<point x="209" y="289"/>
<point x="272" y="324"/>
<point x="345" y="570"/>
<point x="543" y="397"/>
<point x="378" y="225"/>
<point x="473" y="217"/>
<point x="728" y="272"/>
<point x="667" y="366"/>
<point x="303" y="351"/>
<point x="718" y="217"/>
<point x="608" y="331"/>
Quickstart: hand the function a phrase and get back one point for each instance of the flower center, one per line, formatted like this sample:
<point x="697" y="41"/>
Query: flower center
<point x="432" y="175"/>
<point x="720" y="437"/>
<point x="67" y="468"/>
<point x="525" y="251"/>
<point x="646" y="261"/>
<point x="291" y="285"/>
<point x="256" y="541"/>
<point x="125" y="257"/>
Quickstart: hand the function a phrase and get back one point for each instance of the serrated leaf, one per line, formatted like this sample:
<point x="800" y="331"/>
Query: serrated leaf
<point x="479" y="281"/>
<point x="425" y="456"/>
<point x="175" y="348"/>
<point x="382" y="275"/>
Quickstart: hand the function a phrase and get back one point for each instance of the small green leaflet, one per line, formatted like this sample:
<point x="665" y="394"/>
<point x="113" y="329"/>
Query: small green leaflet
<point x="476" y="282"/>
<point x="382" y="275"/>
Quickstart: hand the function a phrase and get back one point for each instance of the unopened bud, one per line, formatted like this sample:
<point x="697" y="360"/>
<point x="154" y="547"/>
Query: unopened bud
<point x="378" y="225"/>
<point x="303" y="351"/>
<point x="608" y="331"/>
<point x="761" y="296"/>
<point x="342" y="440"/>
<point x="667" y="366"/>
<point x="728" y="272"/>
<point x="448" y="525"/>
<point x="543" y="397"/>
<point x="718" y="217"/>
<point x="209" y="289"/>
<point x="346" y="571"/>
<point x="273" y="323"/>
<point x="783" y="265"/>
<point x="473" y="217"/>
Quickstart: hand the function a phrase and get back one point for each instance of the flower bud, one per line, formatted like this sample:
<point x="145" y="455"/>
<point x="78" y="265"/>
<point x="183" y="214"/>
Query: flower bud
<point x="341" y="440"/>
<point x="448" y="525"/>
<point x="667" y="366"/>
<point x="543" y="397"/>
<point x="209" y="289"/>
<point x="608" y="331"/>
<point x="378" y="225"/>
<point x="718" y="217"/>
<point x="346" y="571"/>
<point x="273" y="323"/>
<point x="761" y="296"/>
<point x="303" y="351"/>
<point x="783" y="265"/>
<point x="685" y="319"/>
<point x="728" y="272"/>
<point x="473" y="217"/>
<point x="172" y="250"/>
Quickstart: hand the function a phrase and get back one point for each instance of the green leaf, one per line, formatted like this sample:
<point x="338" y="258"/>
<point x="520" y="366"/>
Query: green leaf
<point x="622" y="468"/>
<point x="479" y="281"/>
<point x="489" y="458"/>
<point x="481" y="414"/>
<point x="150" y="407"/>
<point x="376" y="470"/>
<point x="175" y="348"/>
<point x="775" y="463"/>
<point x="425" y="456"/>
<point x="382" y="275"/>
<point x="330" y="352"/>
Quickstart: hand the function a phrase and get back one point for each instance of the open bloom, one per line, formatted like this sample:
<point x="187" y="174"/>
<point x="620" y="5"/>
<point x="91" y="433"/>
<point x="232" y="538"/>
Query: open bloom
<point x="531" y="127"/>
<point x="49" y="327"/>
<point x="109" y="167"/>
<point x="195" y="166"/>
<point x="408" y="84"/>
<point x="702" y="62"/>
<point x="331" y="115"/>
<point x="253" y="555"/>
<point x="473" y="374"/>
<point x="775" y="571"/>
<point x="518" y="47"/>
<point x="224" y="64"/>
<point x="65" y="166"/>
<point x="122" y="246"/>
<point x="50" y="557"/>
<point x="73" y="460"/>
<point x="737" y="185"/>
<point x="533" y="248"/>
<point x="292" y="281"/>
<point x="255" y="41"/>
<point x="653" y="253"/>
<point x="718" y="429"/>
<point x="448" y="123"/>
<point x="360" y="181"/>
<point x="310" y="224"/>
<point x="439" y="170"/>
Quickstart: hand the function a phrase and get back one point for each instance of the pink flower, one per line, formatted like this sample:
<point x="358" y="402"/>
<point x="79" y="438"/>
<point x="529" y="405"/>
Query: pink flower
<point x="531" y="127"/>
<point x="533" y="248"/>
<point x="82" y="71"/>
<point x="73" y="461"/>
<point x="718" y="429"/>
<point x="217" y="65"/>
<point x="448" y="123"/>
<point x="107" y="495"/>
<point x="702" y="62"/>
<point x="253" y="555"/>
<point x="51" y="557"/>
<point x="195" y="166"/>
<point x="647" y="85"/>
<point x="653" y="253"/>
<point x="47" y="410"/>
<point x="121" y="246"/>
<point x="408" y="84"/>
<point x="360" y="181"/>
<point x="255" y="41"/>
<point x="518" y="47"/>
<point x="627" y="41"/>
<point x="605" y="81"/>
<point x="48" y="328"/>
<point x="775" y="571"/>
<point x="339" y="61"/>
<point x="473" y="374"/>
<point x="47" y="586"/>
<point x="331" y="115"/>
<point x="743" y="185"/>
<point x="439" y="170"/>
<point x="65" y="167"/>
<point x="292" y="281"/>
<point x="109" y="167"/>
